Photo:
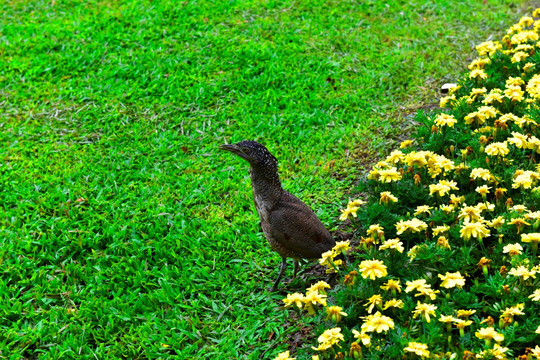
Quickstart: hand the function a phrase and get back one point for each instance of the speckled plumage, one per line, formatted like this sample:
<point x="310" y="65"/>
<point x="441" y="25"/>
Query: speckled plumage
<point x="290" y="226"/>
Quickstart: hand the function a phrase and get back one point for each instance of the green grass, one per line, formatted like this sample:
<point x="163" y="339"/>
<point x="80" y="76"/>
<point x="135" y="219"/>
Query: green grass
<point x="124" y="232"/>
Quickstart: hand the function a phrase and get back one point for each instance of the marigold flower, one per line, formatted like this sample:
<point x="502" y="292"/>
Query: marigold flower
<point x="405" y="143"/>
<point x="386" y="197"/>
<point x="319" y="286"/>
<point x="519" y="222"/>
<point x="392" y="285"/>
<point x="377" y="322"/>
<point x="389" y="175"/>
<point x="497" y="149"/>
<point x="423" y="209"/>
<point x="362" y="336"/>
<point x="415" y="285"/>
<point x="372" y="269"/>
<point x="477" y="230"/>
<point x="392" y="244"/>
<point x="443" y="242"/>
<point x="341" y="246"/>
<point x="296" y="299"/>
<point x="535" y="296"/>
<point x="425" y="310"/>
<point x="328" y="339"/>
<point x="284" y="356"/>
<point x="418" y="348"/>
<point x="313" y="298"/>
<point x="522" y="272"/>
<point x="335" y="313"/>
<point x="465" y="313"/>
<point x="451" y="280"/>
<point x="445" y="120"/>
<point x="488" y="48"/>
<point x="481" y="173"/>
<point x="483" y="190"/>
<point x="372" y="301"/>
<point x="513" y="249"/>
<point x="393" y="303"/>
<point x="415" y="225"/>
<point x="478" y="74"/>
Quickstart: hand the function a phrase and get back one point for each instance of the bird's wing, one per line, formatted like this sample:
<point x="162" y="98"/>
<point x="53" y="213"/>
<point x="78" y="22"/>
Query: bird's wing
<point x="296" y="227"/>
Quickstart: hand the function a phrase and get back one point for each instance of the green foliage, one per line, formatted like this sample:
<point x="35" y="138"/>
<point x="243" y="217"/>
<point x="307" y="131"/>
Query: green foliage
<point x="463" y="203"/>
<point x="123" y="231"/>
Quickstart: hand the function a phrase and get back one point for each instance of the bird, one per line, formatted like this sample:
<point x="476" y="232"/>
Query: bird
<point x="292" y="229"/>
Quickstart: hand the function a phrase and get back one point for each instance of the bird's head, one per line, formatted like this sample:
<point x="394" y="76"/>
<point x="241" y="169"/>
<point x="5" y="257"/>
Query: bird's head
<point x="256" y="154"/>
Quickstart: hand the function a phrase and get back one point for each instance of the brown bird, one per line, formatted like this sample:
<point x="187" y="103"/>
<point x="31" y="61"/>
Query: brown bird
<point x="289" y="225"/>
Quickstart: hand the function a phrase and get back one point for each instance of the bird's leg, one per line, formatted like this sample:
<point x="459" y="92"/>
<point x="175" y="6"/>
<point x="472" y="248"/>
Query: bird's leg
<point x="295" y="268"/>
<point x="281" y="271"/>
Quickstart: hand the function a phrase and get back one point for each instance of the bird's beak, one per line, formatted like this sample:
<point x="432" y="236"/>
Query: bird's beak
<point x="230" y="148"/>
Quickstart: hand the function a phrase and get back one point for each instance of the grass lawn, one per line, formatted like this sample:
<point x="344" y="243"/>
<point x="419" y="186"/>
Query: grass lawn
<point x="124" y="231"/>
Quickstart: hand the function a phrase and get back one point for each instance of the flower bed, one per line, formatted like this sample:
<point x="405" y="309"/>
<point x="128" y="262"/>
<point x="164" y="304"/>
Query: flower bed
<point x="447" y="267"/>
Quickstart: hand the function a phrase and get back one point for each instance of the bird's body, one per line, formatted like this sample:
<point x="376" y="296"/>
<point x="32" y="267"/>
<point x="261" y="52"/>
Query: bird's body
<point x="290" y="226"/>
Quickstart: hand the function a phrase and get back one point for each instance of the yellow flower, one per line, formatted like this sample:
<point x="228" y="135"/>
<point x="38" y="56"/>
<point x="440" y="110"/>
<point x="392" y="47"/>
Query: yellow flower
<point x="440" y="229"/>
<point x="465" y="313"/>
<point x="478" y="74"/>
<point x="405" y="143"/>
<point x="423" y="209"/>
<point x="392" y="285"/>
<point x="451" y="280"/>
<point x="489" y="333"/>
<point x="362" y="336"/>
<point x="313" y="298"/>
<point x="328" y="339"/>
<point x="513" y="249"/>
<point x="497" y="223"/>
<point x="493" y="97"/>
<point x="481" y="173"/>
<point x="377" y="322"/>
<point x="392" y="244"/>
<point x="533" y="87"/>
<point x="375" y="231"/>
<point x="389" y="175"/>
<point x="386" y="197"/>
<point x="284" y="356"/>
<point x="372" y="301"/>
<point x="372" y="269"/>
<point x="415" y="285"/>
<point x="425" y="310"/>
<point x="445" y="120"/>
<point x="297" y="299"/>
<point x="519" y="222"/>
<point x="532" y="237"/>
<point x="319" y="287"/>
<point x="528" y="66"/>
<point x="510" y="312"/>
<point x="477" y="92"/>
<point x="519" y="57"/>
<point x="427" y="291"/>
<point x="497" y="149"/>
<point x="518" y="139"/>
<point x="443" y="242"/>
<point x="483" y="190"/>
<point x="418" y="348"/>
<point x="415" y="225"/>
<point x="498" y="352"/>
<point x="341" y="247"/>
<point x="393" y="303"/>
<point x="477" y="230"/>
<point x="479" y="63"/>
<point x="522" y="272"/>
<point x="488" y="48"/>
<point x="347" y="212"/>
<point x="535" y="296"/>
<point x="335" y="313"/>
<point x="327" y="258"/>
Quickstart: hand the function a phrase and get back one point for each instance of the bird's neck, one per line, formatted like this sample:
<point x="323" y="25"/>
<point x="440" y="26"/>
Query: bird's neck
<point x="266" y="185"/>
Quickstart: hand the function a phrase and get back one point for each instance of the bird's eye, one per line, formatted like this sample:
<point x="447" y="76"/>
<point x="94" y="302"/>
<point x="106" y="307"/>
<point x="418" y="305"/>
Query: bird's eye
<point x="244" y="150"/>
